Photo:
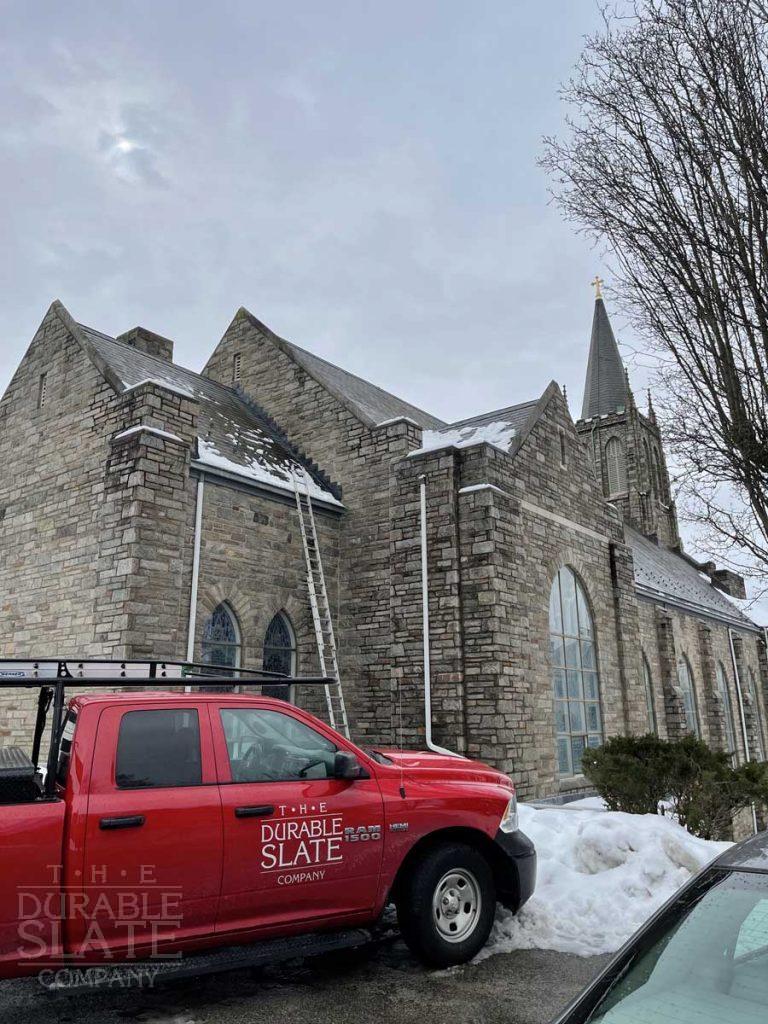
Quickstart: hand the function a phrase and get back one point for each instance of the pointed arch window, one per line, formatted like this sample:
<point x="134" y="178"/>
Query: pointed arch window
<point x="724" y="694"/>
<point x="685" y="682"/>
<point x="648" y="684"/>
<point x="280" y="646"/>
<point x="222" y="643"/>
<point x="616" y="465"/>
<point x="578" y="717"/>
<point x="649" y="466"/>
<point x="658" y="475"/>
<point x="759" y="752"/>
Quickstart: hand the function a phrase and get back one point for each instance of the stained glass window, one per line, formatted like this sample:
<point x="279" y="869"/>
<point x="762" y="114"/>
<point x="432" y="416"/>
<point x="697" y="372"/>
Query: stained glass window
<point x="221" y="639"/>
<point x="725" y="699"/>
<point x="578" y="717"/>
<point x="685" y="682"/>
<point x="280" y="646"/>
<point x="648" y="683"/>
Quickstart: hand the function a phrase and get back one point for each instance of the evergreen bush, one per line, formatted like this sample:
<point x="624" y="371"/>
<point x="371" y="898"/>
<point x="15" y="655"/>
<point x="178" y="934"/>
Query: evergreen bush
<point x="686" y="778"/>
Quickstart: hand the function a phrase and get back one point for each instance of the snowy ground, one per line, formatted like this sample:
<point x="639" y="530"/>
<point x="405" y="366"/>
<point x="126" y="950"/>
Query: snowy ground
<point x="601" y="875"/>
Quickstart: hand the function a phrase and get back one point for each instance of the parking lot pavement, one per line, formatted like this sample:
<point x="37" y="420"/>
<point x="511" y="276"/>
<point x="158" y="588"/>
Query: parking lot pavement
<point x="524" y="987"/>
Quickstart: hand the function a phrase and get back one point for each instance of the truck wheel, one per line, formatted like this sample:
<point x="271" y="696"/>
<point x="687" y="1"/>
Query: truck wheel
<point x="447" y="905"/>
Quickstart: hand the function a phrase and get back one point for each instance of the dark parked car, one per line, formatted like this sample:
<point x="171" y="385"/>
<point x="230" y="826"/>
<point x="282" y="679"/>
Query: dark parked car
<point x="702" y="959"/>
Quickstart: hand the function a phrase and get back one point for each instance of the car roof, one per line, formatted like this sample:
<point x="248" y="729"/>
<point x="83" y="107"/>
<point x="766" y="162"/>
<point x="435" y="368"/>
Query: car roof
<point x="752" y="854"/>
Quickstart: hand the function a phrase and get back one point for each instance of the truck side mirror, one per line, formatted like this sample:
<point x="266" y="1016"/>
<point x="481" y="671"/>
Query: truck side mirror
<point x="347" y="766"/>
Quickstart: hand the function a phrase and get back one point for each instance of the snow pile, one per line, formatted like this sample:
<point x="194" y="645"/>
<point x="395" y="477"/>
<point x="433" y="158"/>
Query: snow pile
<point x="601" y="875"/>
<point x="500" y="434"/>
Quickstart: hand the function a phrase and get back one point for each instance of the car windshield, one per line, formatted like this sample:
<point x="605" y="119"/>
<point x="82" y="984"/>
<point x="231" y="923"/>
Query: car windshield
<point x="705" y="963"/>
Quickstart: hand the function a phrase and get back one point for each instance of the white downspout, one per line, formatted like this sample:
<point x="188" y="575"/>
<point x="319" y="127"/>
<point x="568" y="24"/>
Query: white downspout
<point x="195" y="571"/>
<point x="425" y="628"/>
<point x="742" y="715"/>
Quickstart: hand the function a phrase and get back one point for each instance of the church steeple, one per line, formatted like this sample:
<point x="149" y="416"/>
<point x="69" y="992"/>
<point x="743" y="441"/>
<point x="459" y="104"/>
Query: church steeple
<point x="626" y="445"/>
<point x="605" y="389"/>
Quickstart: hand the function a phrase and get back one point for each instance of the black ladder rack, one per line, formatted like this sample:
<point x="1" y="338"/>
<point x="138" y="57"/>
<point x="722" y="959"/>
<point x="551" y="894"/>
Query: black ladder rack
<point x="52" y="676"/>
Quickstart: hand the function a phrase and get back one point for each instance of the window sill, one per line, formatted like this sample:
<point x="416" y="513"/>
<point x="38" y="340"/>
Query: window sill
<point x="574" y="783"/>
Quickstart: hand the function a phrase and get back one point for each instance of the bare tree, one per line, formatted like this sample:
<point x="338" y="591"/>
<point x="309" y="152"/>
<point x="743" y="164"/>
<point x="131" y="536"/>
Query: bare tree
<point x="665" y="159"/>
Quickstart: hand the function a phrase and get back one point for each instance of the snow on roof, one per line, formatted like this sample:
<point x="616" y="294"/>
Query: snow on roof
<point x="662" y="574"/>
<point x="257" y="465"/>
<point x="499" y="428"/>
<point x="234" y="435"/>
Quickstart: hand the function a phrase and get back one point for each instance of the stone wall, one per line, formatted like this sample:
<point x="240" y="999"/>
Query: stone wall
<point x="252" y="560"/>
<point x="666" y="635"/>
<point x="361" y="455"/>
<point x="53" y="462"/>
<point x="499" y="528"/>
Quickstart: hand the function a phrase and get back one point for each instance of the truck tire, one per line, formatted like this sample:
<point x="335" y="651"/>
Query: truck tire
<point x="446" y="905"/>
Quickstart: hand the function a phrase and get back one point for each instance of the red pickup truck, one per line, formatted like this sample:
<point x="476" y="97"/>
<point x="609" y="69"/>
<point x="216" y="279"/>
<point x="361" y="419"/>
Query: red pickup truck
<point x="170" y="823"/>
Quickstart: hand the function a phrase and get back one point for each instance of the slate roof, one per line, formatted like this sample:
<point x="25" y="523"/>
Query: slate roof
<point x="663" y="575"/>
<point x="370" y="402"/>
<point x="605" y="389"/>
<point x="235" y="436"/>
<point x="503" y="428"/>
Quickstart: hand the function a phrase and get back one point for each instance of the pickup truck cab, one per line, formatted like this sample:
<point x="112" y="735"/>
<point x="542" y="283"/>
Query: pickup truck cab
<point x="179" y="822"/>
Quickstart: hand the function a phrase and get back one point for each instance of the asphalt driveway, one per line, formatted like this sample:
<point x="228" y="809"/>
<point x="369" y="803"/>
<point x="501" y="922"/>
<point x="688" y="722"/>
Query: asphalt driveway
<point x="524" y="987"/>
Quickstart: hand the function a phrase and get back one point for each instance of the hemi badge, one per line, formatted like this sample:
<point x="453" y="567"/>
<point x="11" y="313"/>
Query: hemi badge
<point x="399" y="826"/>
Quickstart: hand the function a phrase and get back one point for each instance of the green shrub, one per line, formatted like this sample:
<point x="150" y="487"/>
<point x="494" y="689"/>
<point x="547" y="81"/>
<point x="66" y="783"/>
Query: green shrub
<point x="636" y="773"/>
<point x="628" y="773"/>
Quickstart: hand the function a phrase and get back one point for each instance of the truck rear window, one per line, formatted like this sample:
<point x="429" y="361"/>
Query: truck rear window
<point x="158" y="749"/>
<point x="65" y="747"/>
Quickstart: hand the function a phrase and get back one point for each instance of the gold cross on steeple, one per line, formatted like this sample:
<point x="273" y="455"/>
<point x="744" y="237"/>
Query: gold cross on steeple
<point x="597" y="284"/>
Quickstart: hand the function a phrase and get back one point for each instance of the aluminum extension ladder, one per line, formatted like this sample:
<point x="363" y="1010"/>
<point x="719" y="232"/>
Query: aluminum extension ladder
<point x="318" y="600"/>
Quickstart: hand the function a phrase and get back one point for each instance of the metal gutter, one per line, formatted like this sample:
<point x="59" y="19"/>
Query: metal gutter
<point x="258" y="486"/>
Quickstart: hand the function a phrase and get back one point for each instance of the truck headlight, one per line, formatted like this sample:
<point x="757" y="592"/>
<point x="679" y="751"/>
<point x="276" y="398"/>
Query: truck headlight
<point x="509" y="820"/>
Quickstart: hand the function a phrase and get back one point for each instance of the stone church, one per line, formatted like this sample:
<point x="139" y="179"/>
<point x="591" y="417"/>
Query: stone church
<point x="149" y="511"/>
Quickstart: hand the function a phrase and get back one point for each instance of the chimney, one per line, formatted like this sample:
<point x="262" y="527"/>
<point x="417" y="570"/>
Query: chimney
<point x="729" y="582"/>
<point x="148" y="342"/>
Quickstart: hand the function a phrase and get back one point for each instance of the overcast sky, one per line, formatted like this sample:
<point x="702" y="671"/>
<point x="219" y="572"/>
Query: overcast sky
<point x="361" y="175"/>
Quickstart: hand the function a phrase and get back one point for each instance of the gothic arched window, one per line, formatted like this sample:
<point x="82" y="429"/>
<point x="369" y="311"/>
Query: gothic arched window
<point x="221" y="638"/>
<point x="578" y="721"/>
<point x="648" y="684"/>
<point x="658" y="475"/>
<point x="725" y="699"/>
<point x="649" y="466"/>
<point x="616" y="465"/>
<point x="685" y="682"/>
<point x="759" y="752"/>
<point x="280" y="646"/>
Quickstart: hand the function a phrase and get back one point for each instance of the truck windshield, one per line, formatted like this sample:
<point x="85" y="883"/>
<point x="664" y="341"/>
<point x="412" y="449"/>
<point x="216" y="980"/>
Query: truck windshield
<point x="707" y="960"/>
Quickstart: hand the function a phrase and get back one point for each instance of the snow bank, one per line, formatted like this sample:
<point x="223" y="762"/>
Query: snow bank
<point x="601" y="875"/>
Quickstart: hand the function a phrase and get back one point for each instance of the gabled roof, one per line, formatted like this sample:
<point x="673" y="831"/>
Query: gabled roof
<point x="605" y="389"/>
<point x="664" y="576"/>
<point x="505" y="429"/>
<point x="369" y="402"/>
<point x="235" y="437"/>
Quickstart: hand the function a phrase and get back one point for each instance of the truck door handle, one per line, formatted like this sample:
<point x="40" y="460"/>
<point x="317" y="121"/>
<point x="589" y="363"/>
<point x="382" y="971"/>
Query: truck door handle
<point x="254" y="812"/>
<point x="135" y="822"/>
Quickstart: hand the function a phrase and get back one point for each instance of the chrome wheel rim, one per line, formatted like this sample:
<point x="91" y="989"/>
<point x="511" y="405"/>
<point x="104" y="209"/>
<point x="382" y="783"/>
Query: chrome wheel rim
<point x="456" y="905"/>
